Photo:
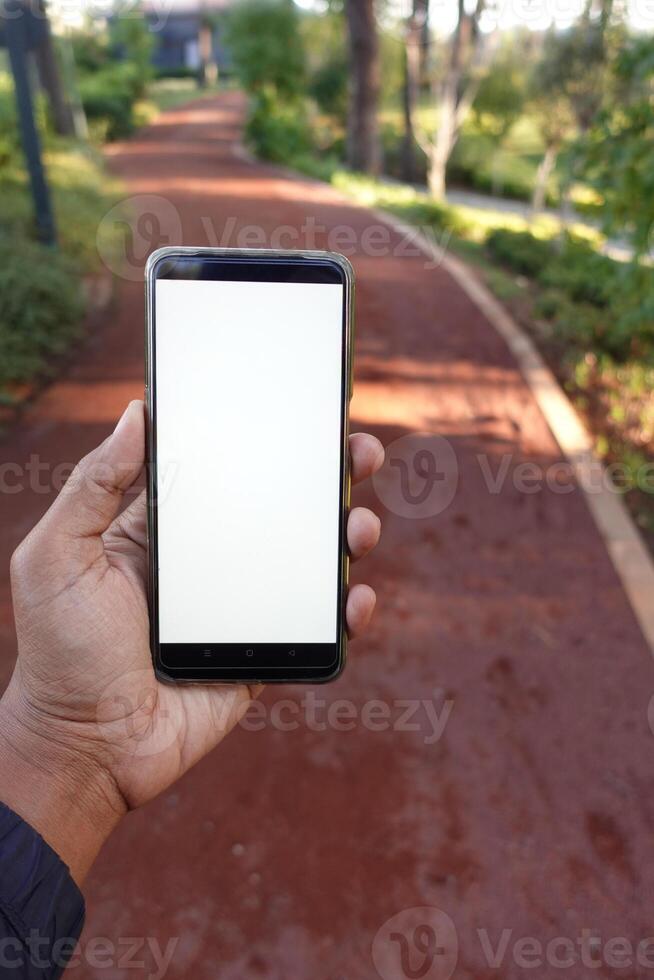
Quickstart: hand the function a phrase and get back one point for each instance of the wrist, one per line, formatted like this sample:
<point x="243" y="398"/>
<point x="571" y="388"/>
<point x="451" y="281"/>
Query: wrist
<point x="53" y="779"/>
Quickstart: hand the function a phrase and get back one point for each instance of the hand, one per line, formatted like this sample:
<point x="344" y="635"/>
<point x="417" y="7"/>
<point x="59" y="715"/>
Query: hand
<point x="86" y="731"/>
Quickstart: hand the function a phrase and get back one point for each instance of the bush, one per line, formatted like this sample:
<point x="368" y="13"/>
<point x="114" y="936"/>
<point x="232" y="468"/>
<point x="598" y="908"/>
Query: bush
<point x="264" y="41"/>
<point x="592" y="301"/>
<point x="277" y="129"/>
<point x="520" y="250"/>
<point x="41" y="305"/>
<point x="328" y="86"/>
<point x="109" y="96"/>
<point x="577" y="325"/>
<point x="581" y="273"/>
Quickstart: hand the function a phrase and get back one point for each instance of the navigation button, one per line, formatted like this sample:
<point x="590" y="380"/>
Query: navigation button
<point x="249" y="653"/>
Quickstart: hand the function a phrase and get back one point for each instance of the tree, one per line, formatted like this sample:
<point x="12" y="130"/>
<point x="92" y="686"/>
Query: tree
<point x="501" y="95"/>
<point x="363" y="144"/>
<point x="550" y="107"/>
<point x="570" y="82"/>
<point x="266" y="46"/>
<point x="414" y="44"/>
<point x="325" y="46"/>
<point x="131" y="37"/>
<point x="264" y="41"/>
<point x="616" y="154"/>
<point x="63" y="120"/>
<point x="470" y="51"/>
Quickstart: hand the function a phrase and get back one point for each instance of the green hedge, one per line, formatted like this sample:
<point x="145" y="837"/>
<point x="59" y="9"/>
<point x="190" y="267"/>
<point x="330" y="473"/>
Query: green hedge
<point x="41" y="305"/>
<point x="109" y="95"/>
<point x="276" y="128"/>
<point x="591" y="300"/>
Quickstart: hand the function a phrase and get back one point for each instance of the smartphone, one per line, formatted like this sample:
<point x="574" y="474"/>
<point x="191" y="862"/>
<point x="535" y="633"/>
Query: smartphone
<point x="248" y="382"/>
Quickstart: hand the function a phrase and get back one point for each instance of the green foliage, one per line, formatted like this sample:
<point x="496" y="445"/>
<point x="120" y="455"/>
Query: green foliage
<point x="277" y="129"/>
<point x="617" y="155"/>
<point x="478" y="162"/>
<point x="391" y="58"/>
<point x="502" y="91"/>
<point x="328" y="86"/>
<point x="593" y="301"/>
<point x="41" y="289"/>
<point x="520" y="250"/>
<point x="325" y="48"/>
<point x="573" y="67"/>
<point x="114" y="70"/>
<point x="263" y="37"/>
<point x="407" y="203"/>
<point x="9" y="139"/>
<point x="131" y="40"/>
<point x="40" y="308"/>
<point x="90" y="50"/>
<point x="581" y="272"/>
<point x="268" y="54"/>
<point x="109" y="95"/>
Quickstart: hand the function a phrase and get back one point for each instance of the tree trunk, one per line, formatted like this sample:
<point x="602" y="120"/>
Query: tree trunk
<point x="469" y="53"/>
<point x="448" y="125"/>
<point x="50" y="79"/>
<point x="363" y="147"/>
<point x="446" y="135"/>
<point x="543" y="174"/>
<point x="412" y="68"/>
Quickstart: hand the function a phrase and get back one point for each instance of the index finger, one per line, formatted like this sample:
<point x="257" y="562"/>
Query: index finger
<point x="367" y="454"/>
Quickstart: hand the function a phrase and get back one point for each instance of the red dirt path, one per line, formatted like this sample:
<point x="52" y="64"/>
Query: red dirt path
<point x="282" y="854"/>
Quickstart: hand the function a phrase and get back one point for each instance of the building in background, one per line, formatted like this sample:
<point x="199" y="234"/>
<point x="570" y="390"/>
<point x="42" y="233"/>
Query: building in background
<point x="187" y="36"/>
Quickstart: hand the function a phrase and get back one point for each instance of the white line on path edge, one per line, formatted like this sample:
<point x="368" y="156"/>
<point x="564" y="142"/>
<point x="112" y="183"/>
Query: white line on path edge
<point x="626" y="547"/>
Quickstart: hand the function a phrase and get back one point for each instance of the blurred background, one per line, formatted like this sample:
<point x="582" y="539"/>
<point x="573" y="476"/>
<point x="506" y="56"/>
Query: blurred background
<point x="474" y="797"/>
<point x="522" y="131"/>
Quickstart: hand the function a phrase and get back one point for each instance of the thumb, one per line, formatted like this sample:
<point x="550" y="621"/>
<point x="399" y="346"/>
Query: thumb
<point x="91" y="497"/>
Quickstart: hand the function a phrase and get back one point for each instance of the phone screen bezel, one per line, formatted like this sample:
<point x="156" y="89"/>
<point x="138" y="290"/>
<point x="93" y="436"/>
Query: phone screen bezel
<point x="243" y="662"/>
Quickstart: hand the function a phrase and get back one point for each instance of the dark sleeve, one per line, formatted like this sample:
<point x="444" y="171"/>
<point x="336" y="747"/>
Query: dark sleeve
<point x="41" y="907"/>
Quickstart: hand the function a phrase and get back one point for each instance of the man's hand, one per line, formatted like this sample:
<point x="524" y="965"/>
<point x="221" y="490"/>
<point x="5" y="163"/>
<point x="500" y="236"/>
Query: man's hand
<point x="86" y="731"/>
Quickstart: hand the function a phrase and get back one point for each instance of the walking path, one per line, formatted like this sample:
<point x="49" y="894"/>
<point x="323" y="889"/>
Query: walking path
<point x="529" y="806"/>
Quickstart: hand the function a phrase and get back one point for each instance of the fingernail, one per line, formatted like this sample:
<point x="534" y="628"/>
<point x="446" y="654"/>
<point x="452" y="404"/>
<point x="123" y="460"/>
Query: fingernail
<point x="126" y="414"/>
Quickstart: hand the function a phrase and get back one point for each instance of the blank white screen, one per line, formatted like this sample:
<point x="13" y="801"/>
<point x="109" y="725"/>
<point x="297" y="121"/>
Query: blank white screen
<point x="248" y="405"/>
